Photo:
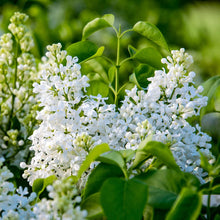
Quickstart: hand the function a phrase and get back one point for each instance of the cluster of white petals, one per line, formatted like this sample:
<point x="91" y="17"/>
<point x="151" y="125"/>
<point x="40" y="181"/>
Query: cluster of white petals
<point x="14" y="203"/>
<point x="163" y="110"/>
<point x="63" y="203"/>
<point x="72" y="123"/>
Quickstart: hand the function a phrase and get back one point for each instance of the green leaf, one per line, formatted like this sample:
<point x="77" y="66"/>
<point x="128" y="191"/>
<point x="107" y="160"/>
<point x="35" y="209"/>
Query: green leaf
<point x="132" y="51"/>
<point x="141" y="75"/>
<point x="93" y="154"/>
<point x="151" y="32"/>
<point x="212" y="91"/>
<point x="187" y="206"/>
<point x="164" y="186"/>
<point x="161" y="151"/>
<point x="122" y="90"/>
<point x="92" y="206"/>
<point x="112" y="157"/>
<point x="149" y="56"/>
<point x="127" y="154"/>
<point x="101" y="173"/>
<point x="141" y="156"/>
<point x="98" y="87"/>
<point x="97" y="67"/>
<point x="40" y="184"/>
<point x="83" y="50"/>
<point x="97" y="24"/>
<point x="121" y="200"/>
<point x="111" y="73"/>
<point x="115" y="158"/>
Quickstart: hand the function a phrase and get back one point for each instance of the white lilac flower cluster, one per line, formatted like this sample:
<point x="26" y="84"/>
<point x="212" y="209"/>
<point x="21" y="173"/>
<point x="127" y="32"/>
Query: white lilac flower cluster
<point x="14" y="203"/>
<point x="63" y="203"/>
<point x="72" y="123"/>
<point x="163" y="110"/>
<point x="17" y="73"/>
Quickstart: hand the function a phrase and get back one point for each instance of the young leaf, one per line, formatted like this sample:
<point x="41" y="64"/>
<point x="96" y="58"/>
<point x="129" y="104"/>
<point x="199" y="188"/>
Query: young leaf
<point x="149" y="56"/>
<point x="151" y="32"/>
<point x="97" y="24"/>
<point x="123" y="199"/>
<point x="93" y="207"/>
<point x="101" y="173"/>
<point x="93" y="154"/>
<point x="83" y="50"/>
<point x="187" y="206"/>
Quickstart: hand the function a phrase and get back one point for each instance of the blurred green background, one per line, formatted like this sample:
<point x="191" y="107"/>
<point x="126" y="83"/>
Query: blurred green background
<point x="194" y="25"/>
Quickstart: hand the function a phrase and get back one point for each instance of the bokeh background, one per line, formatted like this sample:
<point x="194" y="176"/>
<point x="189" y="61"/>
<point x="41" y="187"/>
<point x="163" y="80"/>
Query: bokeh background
<point x="194" y="25"/>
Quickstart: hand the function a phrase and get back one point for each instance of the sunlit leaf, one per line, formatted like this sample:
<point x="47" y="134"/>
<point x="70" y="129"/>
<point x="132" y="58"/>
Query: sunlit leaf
<point x="93" y="154"/>
<point x="151" y="32"/>
<point x="97" y="24"/>
<point x="82" y="49"/>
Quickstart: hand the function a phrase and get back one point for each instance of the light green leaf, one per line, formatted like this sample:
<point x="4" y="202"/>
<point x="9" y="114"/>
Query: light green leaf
<point x="187" y="206"/>
<point x="149" y="56"/>
<point x="98" y="87"/>
<point x="151" y="32"/>
<point x="111" y="73"/>
<point x="83" y="50"/>
<point x="115" y="158"/>
<point x="92" y="206"/>
<point x="127" y="154"/>
<point x="121" y="200"/>
<point x="97" y="24"/>
<point x="93" y="154"/>
<point x="98" y="176"/>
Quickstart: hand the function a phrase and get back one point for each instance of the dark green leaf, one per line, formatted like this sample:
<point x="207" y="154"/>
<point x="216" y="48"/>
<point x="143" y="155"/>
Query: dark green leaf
<point x="92" y="206"/>
<point x="187" y="206"/>
<point x="121" y="200"/>
<point x="149" y="56"/>
<point x="164" y="186"/>
<point x="151" y="32"/>
<point x="142" y="72"/>
<point x="97" y="24"/>
<point x="93" y="154"/>
<point x="83" y="50"/>
<point x="101" y="173"/>
<point x="132" y="51"/>
<point x="40" y="184"/>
